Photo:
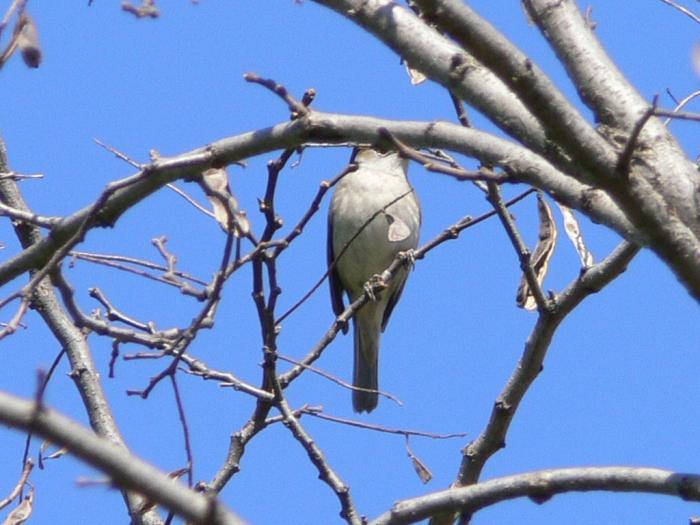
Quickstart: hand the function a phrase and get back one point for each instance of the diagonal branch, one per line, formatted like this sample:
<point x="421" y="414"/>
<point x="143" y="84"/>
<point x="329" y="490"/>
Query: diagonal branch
<point x="444" y="62"/>
<point x="537" y="92"/>
<point x="125" y="469"/>
<point x="493" y="437"/>
<point x="84" y="372"/>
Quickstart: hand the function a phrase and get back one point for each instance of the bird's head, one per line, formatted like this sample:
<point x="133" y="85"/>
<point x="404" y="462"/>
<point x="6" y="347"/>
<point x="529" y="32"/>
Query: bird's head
<point x="375" y="159"/>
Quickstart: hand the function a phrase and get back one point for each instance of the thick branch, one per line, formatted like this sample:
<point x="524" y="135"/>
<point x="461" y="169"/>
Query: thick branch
<point x="326" y="128"/>
<point x="562" y="122"/>
<point x="443" y="61"/>
<point x="125" y="470"/>
<point x="660" y="192"/>
<point x="542" y="485"/>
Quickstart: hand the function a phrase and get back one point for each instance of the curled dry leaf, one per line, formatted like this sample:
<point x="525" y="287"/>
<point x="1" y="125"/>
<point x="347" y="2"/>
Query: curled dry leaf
<point x="43" y="456"/>
<point x="55" y="455"/>
<point x="215" y="184"/>
<point x="547" y="240"/>
<point x="177" y="474"/>
<point x="421" y="469"/>
<point x="414" y="75"/>
<point x="22" y="513"/>
<point x="573" y="231"/>
<point x="28" y="41"/>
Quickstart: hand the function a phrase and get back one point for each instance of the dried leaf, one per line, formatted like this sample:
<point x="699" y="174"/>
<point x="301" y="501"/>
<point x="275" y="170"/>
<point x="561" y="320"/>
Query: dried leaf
<point x="21" y="513"/>
<point x="573" y="231"/>
<point x="60" y="452"/>
<point x="414" y="75"/>
<point x="547" y="240"/>
<point x="28" y="41"/>
<point x="44" y="446"/>
<point x="215" y="184"/>
<point x="421" y="469"/>
<point x="177" y="474"/>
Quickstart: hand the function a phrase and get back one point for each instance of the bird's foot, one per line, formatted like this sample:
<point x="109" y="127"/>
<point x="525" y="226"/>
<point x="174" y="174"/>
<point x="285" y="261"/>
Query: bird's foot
<point x="375" y="281"/>
<point x="409" y="256"/>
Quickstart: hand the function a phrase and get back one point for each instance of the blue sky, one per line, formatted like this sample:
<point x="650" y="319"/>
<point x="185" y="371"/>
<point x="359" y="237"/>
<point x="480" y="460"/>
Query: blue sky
<point x="620" y="380"/>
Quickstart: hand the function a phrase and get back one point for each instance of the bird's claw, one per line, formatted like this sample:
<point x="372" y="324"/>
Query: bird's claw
<point x="409" y="256"/>
<point x="376" y="280"/>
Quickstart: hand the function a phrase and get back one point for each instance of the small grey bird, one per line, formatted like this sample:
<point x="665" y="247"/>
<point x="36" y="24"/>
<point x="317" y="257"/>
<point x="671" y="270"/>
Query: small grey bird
<point x="369" y="191"/>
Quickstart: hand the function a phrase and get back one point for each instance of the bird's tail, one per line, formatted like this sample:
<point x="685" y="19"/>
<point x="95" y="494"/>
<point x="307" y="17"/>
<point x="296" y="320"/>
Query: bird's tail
<point x="367" y="327"/>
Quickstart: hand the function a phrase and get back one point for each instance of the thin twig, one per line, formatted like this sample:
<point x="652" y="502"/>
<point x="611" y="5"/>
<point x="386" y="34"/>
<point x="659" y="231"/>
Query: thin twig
<point x="114" y="314"/>
<point x="493" y="437"/>
<point x="113" y="261"/>
<point x="683" y="10"/>
<point x="325" y="471"/>
<point x="312" y="209"/>
<point x="296" y="107"/>
<point x="339" y="381"/>
<point x="185" y="429"/>
<point x="625" y="158"/>
<point x="23" y="480"/>
<point x="202" y="319"/>
<point x="494" y="196"/>
<point x="119" y="154"/>
<point x="24" y="216"/>
<point x="315" y="412"/>
<point x="680" y="105"/>
<point x="456" y="172"/>
<point x="459" y="109"/>
<point x="680" y="115"/>
<point x="189" y="199"/>
<point x="161" y="339"/>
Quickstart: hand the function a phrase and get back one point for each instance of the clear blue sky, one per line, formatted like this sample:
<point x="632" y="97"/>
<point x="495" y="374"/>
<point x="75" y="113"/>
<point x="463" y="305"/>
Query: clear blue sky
<point x="619" y="384"/>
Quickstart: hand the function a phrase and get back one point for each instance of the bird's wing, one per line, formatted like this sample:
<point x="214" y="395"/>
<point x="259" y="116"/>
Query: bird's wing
<point x="336" y="286"/>
<point x="402" y="230"/>
<point x="394" y="298"/>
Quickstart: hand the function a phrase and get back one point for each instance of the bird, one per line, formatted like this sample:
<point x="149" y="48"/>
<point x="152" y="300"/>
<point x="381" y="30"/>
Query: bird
<point x="374" y="214"/>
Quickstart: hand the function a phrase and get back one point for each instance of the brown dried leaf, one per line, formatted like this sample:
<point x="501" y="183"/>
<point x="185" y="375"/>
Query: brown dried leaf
<point x="21" y="513"/>
<point x="215" y="184"/>
<point x="547" y="240"/>
<point x="28" y="41"/>
<point x="46" y="445"/>
<point x="55" y="455"/>
<point x="421" y="469"/>
<point x="573" y="231"/>
<point x="177" y="474"/>
<point x="414" y="75"/>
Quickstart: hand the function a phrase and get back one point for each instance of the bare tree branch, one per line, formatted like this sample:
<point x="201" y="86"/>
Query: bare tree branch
<point x="542" y="485"/>
<point x="83" y="370"/>
<point x="126" y="471"/>
<point x="493" y="437"/>
<point x="687" y="12"/>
